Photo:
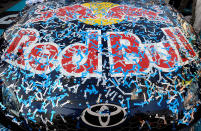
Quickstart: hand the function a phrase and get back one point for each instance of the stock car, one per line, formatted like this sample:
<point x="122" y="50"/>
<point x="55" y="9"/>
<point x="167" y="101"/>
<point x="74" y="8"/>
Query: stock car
<point x="100" y="65"/>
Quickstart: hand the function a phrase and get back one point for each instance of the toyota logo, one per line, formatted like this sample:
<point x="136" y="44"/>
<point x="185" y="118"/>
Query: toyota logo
<point x="104" y="115"/>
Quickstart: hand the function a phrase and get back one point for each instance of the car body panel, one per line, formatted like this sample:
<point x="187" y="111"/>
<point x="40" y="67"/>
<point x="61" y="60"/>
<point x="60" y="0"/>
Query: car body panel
<point x="62" y="59"/>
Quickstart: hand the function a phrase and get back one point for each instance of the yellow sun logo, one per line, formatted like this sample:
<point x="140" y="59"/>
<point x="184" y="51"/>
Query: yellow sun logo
<point x="100" y="10"/>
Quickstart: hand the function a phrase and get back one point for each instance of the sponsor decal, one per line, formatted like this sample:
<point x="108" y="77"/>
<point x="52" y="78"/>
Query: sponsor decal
<point x="104" y="115"/>
<point x="127" y="54"/>
<point x="95" y="13"/>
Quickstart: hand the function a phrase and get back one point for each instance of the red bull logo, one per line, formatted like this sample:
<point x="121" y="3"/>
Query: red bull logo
<point x="132" y="13"/>
<point x="127" y="54"/>
<point x="104" y="13"/>
<point x="64" y="14"/>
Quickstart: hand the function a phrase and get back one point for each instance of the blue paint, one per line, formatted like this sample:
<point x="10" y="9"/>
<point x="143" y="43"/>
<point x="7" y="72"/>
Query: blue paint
<point x="18" y="7"/>
<point x="1" y="31"/>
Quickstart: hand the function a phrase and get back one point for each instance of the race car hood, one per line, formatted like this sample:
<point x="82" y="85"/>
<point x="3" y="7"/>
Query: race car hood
<point x="62" y="59"/>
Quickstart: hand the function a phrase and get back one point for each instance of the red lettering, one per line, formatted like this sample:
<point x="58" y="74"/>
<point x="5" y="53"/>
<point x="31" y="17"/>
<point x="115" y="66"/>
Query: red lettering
<point x="43" y="57"/>
<point x="163" y="56"/>
<point x="127" y="57"/>
<point x="80" y="58"/>
<point x="182" y="45"/>
<point x="127" y="53"/>
<point x="23" y="38"/>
